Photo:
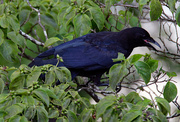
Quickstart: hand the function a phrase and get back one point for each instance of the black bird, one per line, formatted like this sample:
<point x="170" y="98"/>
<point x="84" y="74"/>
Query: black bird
<point x="91" y="55"/>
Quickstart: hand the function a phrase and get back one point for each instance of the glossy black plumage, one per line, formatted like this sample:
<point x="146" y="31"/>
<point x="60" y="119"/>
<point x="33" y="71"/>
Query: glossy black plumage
<point x="91" y="55"/>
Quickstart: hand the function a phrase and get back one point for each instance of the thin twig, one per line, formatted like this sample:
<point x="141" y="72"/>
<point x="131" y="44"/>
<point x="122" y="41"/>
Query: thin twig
<point x="31" y="38"/>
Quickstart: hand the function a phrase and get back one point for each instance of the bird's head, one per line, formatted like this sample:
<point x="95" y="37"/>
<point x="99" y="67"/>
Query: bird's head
<point x="142" y="38"/>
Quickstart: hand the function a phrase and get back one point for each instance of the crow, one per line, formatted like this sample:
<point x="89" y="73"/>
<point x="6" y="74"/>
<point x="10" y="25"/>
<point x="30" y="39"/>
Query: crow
<point x="91" y="55"/>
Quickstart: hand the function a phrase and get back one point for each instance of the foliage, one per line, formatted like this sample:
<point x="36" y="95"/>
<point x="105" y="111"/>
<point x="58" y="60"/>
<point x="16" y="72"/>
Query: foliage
<point x="25" y="97"/>
<point x="29" y="27"/>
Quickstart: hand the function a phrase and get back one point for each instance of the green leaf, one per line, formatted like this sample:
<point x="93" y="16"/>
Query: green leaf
<point x="131" y="115"/>
<point x="161" y="116"/>
<point x="15" y="118"/>
<point x="171" y="74"/>
<point x="17" y="83"/>
<point x="14" y="110"/>
<point x="82" y="24"/>
<point x="13" y="21"/>
<point x="18" y="118"/>
<point x="107" y="114"/>
<point x="48" y="19"/>
<point x="9" y="50"/>
<point x="1" y="37"/>
<point x="80" y="2"/>
<point x="23" y="119"/>
<point x="30" y="112"/>
<point x="86" y="115"/>
<point x="171" y="4"/>
<point x="153" y="64"/>
<point x="62" y="119"/>
<point x="163" y="105"/>
<point x="66" y="102"/>
<point x="119" y="58"/>
<point x="50" y="77"/>
<point x="142" y="3"/>
<point x="134" y="21"/>
<point x="50" y="93"/>
<point x="116" y="74"/>
<point x="97" y="16"/>
<point x="15" y="74"/>
<point x="71" y="116"/>
<point x="133" y="97"/>
<point x="1" y="85"/>
<point x="29" y="100"/>
<point x="134" y="58"/>
<point x="68" y="16"/>
<point x="155" y="9"/>
<point x="3" y="21"/>
<point x="63" y="74"/>
<point x="51" y="41"/>
<point x="16" y="38"/>
<point x="22" y="92"/>
<point x="33" y="76"/>
<point x="143" y="70"/>
<point x="42" y="114"/>
<point x="42" y="95"/>
<point x="2" y="8"/>
<point x="142" y="105"/>
<point x="53" y="113"/>
<point x="170" y="91"/>
<point x="104" y="104"/>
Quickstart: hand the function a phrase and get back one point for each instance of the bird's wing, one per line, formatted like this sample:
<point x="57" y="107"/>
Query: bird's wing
<point x="86" y="56"/>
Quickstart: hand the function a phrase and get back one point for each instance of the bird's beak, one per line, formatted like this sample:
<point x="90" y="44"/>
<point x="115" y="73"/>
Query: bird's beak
<point x="151" y="40"/>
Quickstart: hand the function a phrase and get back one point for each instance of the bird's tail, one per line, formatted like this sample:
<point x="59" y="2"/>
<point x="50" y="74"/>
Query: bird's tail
<point x="40" y="62"/>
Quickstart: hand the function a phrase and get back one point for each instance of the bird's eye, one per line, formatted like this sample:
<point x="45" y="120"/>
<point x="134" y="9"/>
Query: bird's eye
<point x="143" y="35"/>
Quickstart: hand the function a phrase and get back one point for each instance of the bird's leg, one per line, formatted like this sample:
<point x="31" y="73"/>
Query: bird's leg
<point x="118" y="87"/>
<point x="97" y="81"/>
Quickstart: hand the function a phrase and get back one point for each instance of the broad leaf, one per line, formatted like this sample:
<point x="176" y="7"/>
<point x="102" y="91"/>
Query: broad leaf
<point x="3" y="21"/>
<point x="131" y="115"/>
<point x="1" y="85"/>
<point x="9" y="50"/>
<point x="170" y="91"/>
<point x="171" y="74"/>
<point x="17" y="83"/>
<point x="142" y="3"/>
<point x="82" y="24"/>
<point x="51" y="41"/>
<point x="86" y="115"/>
<point x="13" y="21"/>
<point x="42" y="95"/>
<point x="1" y="37"/>
<point x="50" y="93"/>
<point x="171" y="4"/>
<point x="68" y="16"/>
<point x="16" y="38"/>
<point x="50" y="77"/>
<point x="33" y="76"/>
<point x="53" y="113"/>
<point x="71" y="116"/>
<point x="63" y="74"/>
<point x="153" y="64"/>
<point x="163" y="105"/>
<point x="104" y="104"/>
<point x="155" y="9"/>
<point x="42" y="114"/>
<point x="134" y="58"/>
<point x="97" y="16"/>
<point x="143" y="70"/>
<point x="116" y="74"/>
<point x="14" y="110"/>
